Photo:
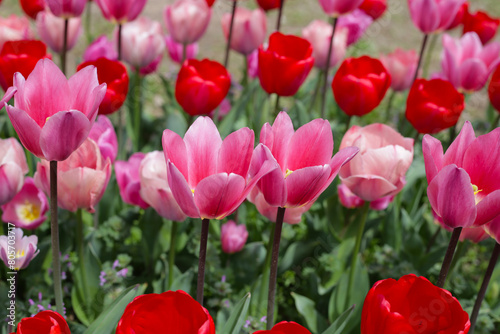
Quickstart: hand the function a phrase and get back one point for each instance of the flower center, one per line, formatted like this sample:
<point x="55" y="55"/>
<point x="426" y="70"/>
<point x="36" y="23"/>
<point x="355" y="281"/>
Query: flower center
<point x="288" y="172"/>
<point x="476" y="191"/>
<point x="28" y="212"/>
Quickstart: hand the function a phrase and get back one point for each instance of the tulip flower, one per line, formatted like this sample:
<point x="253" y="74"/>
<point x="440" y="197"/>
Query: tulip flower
<point x="187" y="20"/>
<point x="433" y="15"/>
<point x="32" y="7"/>
<point x="351" y="201"/>
<point x="114" y="74"/>
<point x="474" y="234"/>
<point x="104" y="135"/>
<point x="380" y="167"/>
<point x="269" y="4"/>
<point x="66" y="8"/>
<point x="459" y="18"/>
<point x="285" y="64"/>
<point x="335" y="8"/>
<point x="121" y="11"/>
<point x="45" y="322"/>
<point x="319" y="34"/>
<point x="25" y="249"/>
<point x="360" y="85"/>
<point x="253" y="64"/>
<point x="51" y="31"/>
<point x="210" y="3"/>
<point x="128" y="179"/>
<point x="433" y="105"/>
<point x="81" y="179"/>
<point x="168" y="312"/>
<point x="249" y="29"/>
<point x="286" y="327"/>
<point x="466" y="63"/>
<point x="401" y="65"/>
<point x="374" y="8"/>
<point x="482" y="24"/>
<point x="154" y="188"/>
<point x="494" y="89"/>
<point x="28" y="208"/>
<point x="100" y="47"/>
<point x="233" y="237"/>
<point x="175" y="50"/>
<point x="13" y="167"/>
<point x="412" y="304"/>
<point x="201" y="86"/>
<point x="356" y="24"/>
<point x="14" y="28"/>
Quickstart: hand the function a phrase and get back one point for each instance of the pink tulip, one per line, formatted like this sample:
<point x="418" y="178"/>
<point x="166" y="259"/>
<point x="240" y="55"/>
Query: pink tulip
<point x="81" y="179"/>
<point x="379" y="169"/>
<point x="28" y="208"/>
<point x="336" y="8"/>
<point x="25" y="249"/>
<point x="154" y="188"/>
<point x="14" y="28"/>
<point x="66" y="8"/>
<point x="464" y="188"/>
<point x="103" y="133"/>
<point x="402" y="66"/>
<point x="152" y="67"/>
<point x="129" y="182"/>
<point x="466" y="63"/>
<point x="208" y="176"/>
<point x="233" y="237"/>
<point x="253" y="64"/>
<point x="355" y="23"/>
<point x="101" y="47"/>
<point x="51" y="30"/>
<point x="319" y="33"/>
<point x="187" y="20"/>
<point x="305" y="159"/>
<point x="249" y="29"/>
<point x="493" y="229"/>
<point x="351" y="201"/>
<point x="13" y="166"/>
<point x="433" y="15"/>
<point x="53" y="115"/>
<point x="175" y="50"/>
<point x="121" y="11"/>
<point x="474" y="234"/>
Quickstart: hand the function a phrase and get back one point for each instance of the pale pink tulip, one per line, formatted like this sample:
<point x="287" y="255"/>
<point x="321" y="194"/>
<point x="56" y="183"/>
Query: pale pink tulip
<point x="464" y="187"/>
<point x="319" y="34"/>
<point x="208" y="176"/>
<point x="51" y="114"/>
<point x="121" y="11"/>
<point x="402" y="66"/>
<point x="81" y="179"/>
<point x="466" y="63"/>
<point x="433" y="15"/>
<point x="28" y="208"/>
<point x="103" y="133"/>
<point x="25" y="249"/>
<point x="351" y="201"/>
<point x="187" y="20"/>
<point x="101" y="47"/>
<point x="175" y="50"/>
<point x="356" y="24"/>
<point x="249" y="29"/>
<point x="66" y="8"/>
<point x="154" y="188"/>
<point x="336" y="8"/>
<point x="233" y="237"/>
<point x="51" y="30"/>
<point x="129" y="180"/>
<point x="13" y="167"/>
<point x="379" y="168"/>
<point x="14" y="28"/>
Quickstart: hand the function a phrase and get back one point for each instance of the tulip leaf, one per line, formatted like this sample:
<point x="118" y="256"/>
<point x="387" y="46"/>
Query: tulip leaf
<point x="227" y="124"/>
<point x="307" y="308"/>
<point x="338" y="325"/>
<point x="237" y="317"/>
<point x="183" y="282"/>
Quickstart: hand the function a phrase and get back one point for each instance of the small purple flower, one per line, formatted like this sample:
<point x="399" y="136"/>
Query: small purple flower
<point x="101" y="278"/>
<point x="263" y="319"/>
<point x="122" y="273"/>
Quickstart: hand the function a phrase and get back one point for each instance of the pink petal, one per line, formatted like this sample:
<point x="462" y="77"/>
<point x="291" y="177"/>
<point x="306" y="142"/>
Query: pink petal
<point x="11" y="181"/>
<point x="271" y="185"/>
<point x="87" y="94"/>
<point x="277" y="138"/>
<point x="425" y="14"/>
<point x="303" y="184"/>
<point x="473" y="74"/>
<point x="166" y="206"/>
<point x="80" y="188"/>
<point x="493" y="229"/>
<point x="455" y="153"/>
<point x="181" y="191"/>
<point x="27" y="129"/>
<point x="488" y="208"/>
<point x="8" y="95"/>
<point x="236" y="152"/>
<point x="369" y="187"/>
<point x="175" y="150"/>
<point x="433" y="156"/>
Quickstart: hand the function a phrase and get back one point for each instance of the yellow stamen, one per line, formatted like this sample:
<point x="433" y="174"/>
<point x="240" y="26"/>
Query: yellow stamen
<point x="20" y="253"/>
<point x="288" y="172"/>
<point x="28" y="212"/>
<point x="476" y="189"/>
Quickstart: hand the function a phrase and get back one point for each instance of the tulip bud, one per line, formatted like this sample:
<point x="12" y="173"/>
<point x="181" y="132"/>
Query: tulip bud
<point x="249" y="29"/>
<point x="187" y="20"/>
<point x="101" y="47"/>
<point x="233" y="237"/>
<point x="51" y="31"/>
<point x="319" y="34"/>
<point x="401" y="65"/>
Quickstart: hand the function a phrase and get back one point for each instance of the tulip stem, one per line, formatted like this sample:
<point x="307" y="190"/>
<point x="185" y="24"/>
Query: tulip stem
<point x="348" y="123"/>
<point x="121" y="151"/>
<point x="230" y="36"/>
<point x="171" y="253"/>
<point x="65" y="46"/>
<point x="54" y="233"/>
<point x="120" y="41"/>
<point x="422" y="51"/>
<point x="428" y="57"/>
<point x="81" y="262"/>
<point x="448" y="257"/>
<point x="333" y="22"/>
<point x="184" y="53"/>
<point x="389" y="106"/>
<point x="264" y="288"/>
<point x="88" y="16"/>
<point x="202" y="259"/>
<point x="280" y="15"/>
<point x="137" y="110"/>
<point x="484" y="286"/>
<point x="274" y="268"/>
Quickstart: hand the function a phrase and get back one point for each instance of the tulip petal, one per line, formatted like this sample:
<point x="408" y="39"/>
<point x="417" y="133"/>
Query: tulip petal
<point x="11" y="181"/>
<point x="304" y="183"/>
<point x="236" y="152"/>
<point x="433" y="156"/>
<point x="456" y="152"/>
<point x="80" y="188"/>
<point x="27" y="129"/>
<point x="369" y="187"/>
<point x="271" y="185"/>
<point x="175" y="150"/>
<point x="87" y="93"/>
<point x="488" y="208"/>
<point x="8" y="95"/>
<point x="181" y="191"/>
<point x="277" y="138"/>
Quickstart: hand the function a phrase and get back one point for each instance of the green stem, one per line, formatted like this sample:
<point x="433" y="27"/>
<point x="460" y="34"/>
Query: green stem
<point x="277" y="106"/>
<point x="65" y="46"/>
<point x="54" y="229"/>
<point x="494" y="125"/>
<point x="428" y="57"/>
<point x="316" y="90"/>
<point x="171" y="253"/>
<point x="230" y="35"/>
<point x="137" y="110"/>
<point x="348" y="123"/>
<point x="448" y="257"/>
<point x="88" y="16"/>
<point x="389" y="106"/>
<point x="201" y="262"/>
<point x="80" y="235"/>
<point x="264" y="287"/>
<point x="325" y="71"/>
<point x="121" y="136"/>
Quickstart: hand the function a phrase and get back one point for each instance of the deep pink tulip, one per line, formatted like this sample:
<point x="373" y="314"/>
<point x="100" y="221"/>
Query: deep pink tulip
<point x="379" y="169"/>
<point x="187" y="20"/>
<point x="464" y="188"/>
<point x="401" y="65"/>
<point x="129" y="180"/>
<point x="208" y="176"/>
<point x="25" y="248"/>
<point x="14" y="28"/>
<point x="474" y="234"/>
<point x="53" y="115"/>
<point x="121" y="11"/>
<point x="433" y="15"/>
<point x="336" y="8"/>
<point x="249" y="29"/>
<point x="233" y="237"/>
<point x="356" y="24"/>
<point x="13" y="167"/>
<point x="66" y="8"/>
<point x="102" y="47"/>
<point x="175" y="50"/>
<point x="351" y="201"/>
<point x="305" y="159"/>
<point x="103" y="133"/>
<point x="493" y="229"/>
<point x="51" y="30"/>
<point x="466" y="63"/>
<point x="154" y="188"/>
<point x="28" y="208"/>
<point x="319" y="34"/>
<point x="253" y="64"/>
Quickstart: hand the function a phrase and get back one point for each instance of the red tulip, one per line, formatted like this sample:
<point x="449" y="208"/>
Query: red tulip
<point x="201" y="86"/>
<point x="360" y="85"/>
<point x="481" y="23"/>
<point x="45" y="322"/>
<point x="169" y="312"/>
<point x="114" y="75"/>
<point x="374" y="8"/>
<point x="286" y="327"/>
<point x="269" y="4"/>
<point x="433" y="105"/>
<point x="32" y="7"/>
<point x="412" y="305"/>
<point x="285" y="64"/>
<point x="210" y="3"/>
<point x="494" y="89"/>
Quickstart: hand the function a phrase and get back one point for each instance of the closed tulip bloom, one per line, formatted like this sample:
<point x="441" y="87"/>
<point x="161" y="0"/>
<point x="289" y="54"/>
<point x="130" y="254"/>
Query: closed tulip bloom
<point x="482" y="24"/>
<point x="103" y="133"/>
<point x="13" y="167"/>
<point x="336" y="8"/>
<point x="286" y="327"/>
<point x="494" y="89"/>
<point x="269" y="4"/>
<point x="319" y="34"/>
<point x="129" y="180"/>
<point x="201" y="86"/>
<point x="121" y="11"/>
<point x="249" y="29"/>
<point x="100" y="47"/>
<point x="175" y="50"/>
<point x="25" y="249"/>
<point x="66" y="8"/>
<point x="154" y="188"/>
<point x="32" y="7"/>
<point x="51" y="31"/>
<point x="285" y="64"/>
<point x="351" y="201"/>
<point x="28" y="208"/>
<point x="433" y="15"/>
<point x="356" y="24"/>
<point x="173" y="312"/>
<point x="401" y="65"/>
<point x="45" y="322"/>
<point x="413" y="305"/>
<point x="14" y="28"/>
<point x="187" y="20"/>
<point x="374" y="8"/>
<point x="360" y="85"/>
<point x="233" y="237"/>
<point x="464" y="189"/>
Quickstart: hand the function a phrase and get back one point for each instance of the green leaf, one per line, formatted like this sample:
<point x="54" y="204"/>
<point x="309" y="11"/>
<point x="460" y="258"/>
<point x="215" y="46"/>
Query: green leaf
<point x="307" y="308"/>
<point x="237" y="317"/>
<point x="338" y="325"/>
<point x="183" y="282"/>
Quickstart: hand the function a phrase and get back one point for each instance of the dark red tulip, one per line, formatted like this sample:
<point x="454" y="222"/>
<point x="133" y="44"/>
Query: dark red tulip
<point x="210" y="3"/>
<point x="114" y="74"/>
<point x="482" y="24"/>
<point x="19" y="56"/>
<point x="374" y="8"/>
<point x="494" y="89"/>
<point x="32" y="7"/>
<point x="201" y="86"/>
<point x="459" y="18"/>
<point x="269" y="4"/>
<point x="285" y="64"/>
<point x="286" y="327"/>
<point x="433" y="105"/>
<point x="170" y="312"/>
<point x="360" y="85"/>
<point x="45" y="322"/>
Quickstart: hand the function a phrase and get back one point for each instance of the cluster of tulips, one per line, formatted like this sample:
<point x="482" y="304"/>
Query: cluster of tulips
<point x="83" y="143"/>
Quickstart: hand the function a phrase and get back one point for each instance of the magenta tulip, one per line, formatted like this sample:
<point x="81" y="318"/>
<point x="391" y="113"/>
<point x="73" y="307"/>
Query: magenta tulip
<point x="51" y="30"/>
<point x="233" y="237"/>
<point x="319" y="34"/>
<point x="121" y="11"/>
<point x="433" y="15"/>
<point x="187" y="20"/>
<point x="356" y="24"/>
<point x="128" y="179"/>
<point x="249" y="29"/>
<point x="14" y="28"/>
<point x="13" y="167"/>
<point x="401" y="65"/>
<point x="102" y="47"/>
<point x="336" y="8"/>
<point x="25" y="249"/>
<point x="175" y="50"/>
<point x="474" y="234"/>
<point x="103" y="133"/>
<point x="66" y="8"/>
